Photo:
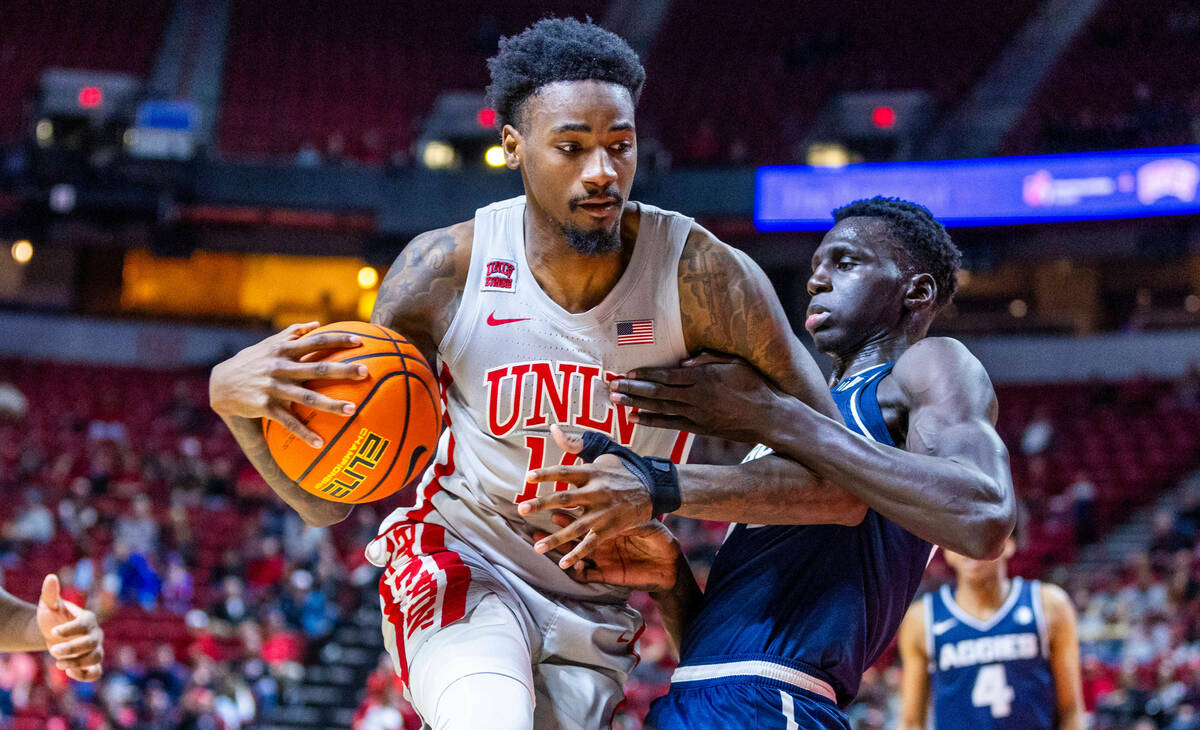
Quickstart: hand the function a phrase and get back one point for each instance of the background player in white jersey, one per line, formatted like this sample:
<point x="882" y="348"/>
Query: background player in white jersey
<point x="993" y="653"/>
<point x="528" y="310"/>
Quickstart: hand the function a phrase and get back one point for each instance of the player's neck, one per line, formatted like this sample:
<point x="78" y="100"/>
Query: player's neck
<point x="983" y="598"/>
<point x="572" y="280"/>
<point x="876" y="351"/>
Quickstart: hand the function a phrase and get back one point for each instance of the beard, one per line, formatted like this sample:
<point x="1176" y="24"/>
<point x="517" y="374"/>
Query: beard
<point x="593" y="242"/>
<point x="599" y="242"/>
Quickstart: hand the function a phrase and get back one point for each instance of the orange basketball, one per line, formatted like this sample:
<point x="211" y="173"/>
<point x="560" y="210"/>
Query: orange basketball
<point x="390" y="438"/>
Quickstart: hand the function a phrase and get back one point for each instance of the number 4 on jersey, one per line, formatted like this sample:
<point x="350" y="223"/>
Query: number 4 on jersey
<point x="992" y="690"/>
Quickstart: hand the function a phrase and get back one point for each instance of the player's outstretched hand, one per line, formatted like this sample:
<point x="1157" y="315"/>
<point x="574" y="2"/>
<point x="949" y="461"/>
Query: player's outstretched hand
<point x="612" y="498"/>
<point x="644" y="558"/>
<point x="717" y="395"/>
<point x="73" y="636"/>
<point x="261" y="380"/>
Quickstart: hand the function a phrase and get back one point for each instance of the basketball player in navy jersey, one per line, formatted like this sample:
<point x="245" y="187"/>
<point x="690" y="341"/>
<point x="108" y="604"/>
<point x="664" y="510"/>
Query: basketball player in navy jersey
<point x="794" y="612"/>
<point x="993" y="653"/>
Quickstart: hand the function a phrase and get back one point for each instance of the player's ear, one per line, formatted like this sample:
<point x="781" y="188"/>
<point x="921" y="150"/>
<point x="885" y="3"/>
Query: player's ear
<point x="920" y="293"/>
<point x="511" y="142"/>
<point x="1010" y="547"/>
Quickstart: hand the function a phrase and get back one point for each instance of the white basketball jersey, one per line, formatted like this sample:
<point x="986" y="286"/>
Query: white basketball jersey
<point x="513" y="362"/>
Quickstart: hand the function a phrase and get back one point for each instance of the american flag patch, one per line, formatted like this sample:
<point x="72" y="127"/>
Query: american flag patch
<point x="635" y="332"/>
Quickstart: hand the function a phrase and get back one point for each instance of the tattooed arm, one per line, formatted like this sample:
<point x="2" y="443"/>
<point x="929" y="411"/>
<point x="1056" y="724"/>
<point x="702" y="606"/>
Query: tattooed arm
<point x="728" y="305"/>
<point x="421" y="293"/>
<point x="418" y="299"/>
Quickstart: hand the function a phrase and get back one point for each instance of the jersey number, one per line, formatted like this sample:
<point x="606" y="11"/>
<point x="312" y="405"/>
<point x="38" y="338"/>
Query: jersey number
<point x="992" y="690"/>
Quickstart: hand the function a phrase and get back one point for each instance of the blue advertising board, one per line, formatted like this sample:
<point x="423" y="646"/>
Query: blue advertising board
<point x="989" y="191"/>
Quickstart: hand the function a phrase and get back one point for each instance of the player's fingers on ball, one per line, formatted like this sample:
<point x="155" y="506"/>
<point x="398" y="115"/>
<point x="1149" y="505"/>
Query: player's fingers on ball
<point x="288" y="420"/>
<point x="81" y="646"/>
<point x="562" y="519"/>
<point x="321" y="370"/>
<point x="312" y="399"/>
<point x="321" y="341"/>
<point x="295" y="330"/>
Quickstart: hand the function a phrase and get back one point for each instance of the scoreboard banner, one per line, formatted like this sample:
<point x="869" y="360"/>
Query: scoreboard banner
<point x="989" y="191"/>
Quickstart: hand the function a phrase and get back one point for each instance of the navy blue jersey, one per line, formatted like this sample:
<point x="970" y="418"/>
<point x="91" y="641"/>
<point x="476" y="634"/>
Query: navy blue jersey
<point x="994" y="673"/>
<point x="824" y="599"/>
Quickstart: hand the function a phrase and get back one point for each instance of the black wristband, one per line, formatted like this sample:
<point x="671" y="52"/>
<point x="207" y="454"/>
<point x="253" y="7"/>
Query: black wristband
<point x="658" y="475"/>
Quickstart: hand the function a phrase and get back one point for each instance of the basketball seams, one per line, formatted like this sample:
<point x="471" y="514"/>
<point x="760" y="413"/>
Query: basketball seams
<point x="367" y="399"/>
<point x="420" y="381"/>
<point x="407" y="411"/>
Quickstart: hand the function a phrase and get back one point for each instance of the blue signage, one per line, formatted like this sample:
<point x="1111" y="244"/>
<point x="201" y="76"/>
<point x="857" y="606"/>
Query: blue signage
<point x="989" y="191"/>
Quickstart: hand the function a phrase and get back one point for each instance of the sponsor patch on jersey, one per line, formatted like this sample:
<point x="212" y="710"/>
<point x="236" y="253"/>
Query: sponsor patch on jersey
<point x="499" y="275"/>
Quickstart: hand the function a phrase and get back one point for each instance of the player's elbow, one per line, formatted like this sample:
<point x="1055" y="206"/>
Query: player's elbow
<point x="332" y="514"/>
<point x="991" y="527"/>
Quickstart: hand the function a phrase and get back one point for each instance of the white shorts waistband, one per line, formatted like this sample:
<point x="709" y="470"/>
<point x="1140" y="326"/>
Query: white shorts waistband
<point x="754" y="668"/>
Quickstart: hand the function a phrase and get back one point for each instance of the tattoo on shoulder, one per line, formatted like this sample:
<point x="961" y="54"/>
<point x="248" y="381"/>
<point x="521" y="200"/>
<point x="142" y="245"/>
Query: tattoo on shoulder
<point x="421" y="292"/>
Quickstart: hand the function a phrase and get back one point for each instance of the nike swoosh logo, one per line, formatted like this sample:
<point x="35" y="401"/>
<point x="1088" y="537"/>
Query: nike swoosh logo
<point x="942" y="627"/>
<point x="492" y="321"/>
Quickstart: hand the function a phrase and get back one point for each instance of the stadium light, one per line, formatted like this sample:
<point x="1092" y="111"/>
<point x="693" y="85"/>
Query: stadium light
<point x="1018" y="308"/>
<point x="367" y="277"/>
<point x="438" y="155"/>
<point x="494" y="156"/>
<point x="828" y="154"/>
<point x="486" y="117"/>
<point x="44" y="131"/>
<point x="883" y="117"/>
<point x="22" y="251"/>
<point x="1192" y="303"/>
<point x="90" y="97"/>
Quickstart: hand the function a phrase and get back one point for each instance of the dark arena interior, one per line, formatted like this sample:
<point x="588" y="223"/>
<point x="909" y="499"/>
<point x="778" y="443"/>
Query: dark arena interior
<point x="181" y="178"/>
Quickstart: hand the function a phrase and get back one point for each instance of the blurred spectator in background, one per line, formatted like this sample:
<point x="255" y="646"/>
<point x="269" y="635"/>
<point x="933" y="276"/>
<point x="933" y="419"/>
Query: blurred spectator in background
<point x="12" y="403"/>
<point x="139" y="530"/>
<point x="1083" y="508"/>
<point x="33" y="522"/>
<point x="1166" y="539"/>
<point x="1038" y="433"/>
<point x="1187" y="388"/>
<point x="136" y="580"/>
<point x="232" y="609"/>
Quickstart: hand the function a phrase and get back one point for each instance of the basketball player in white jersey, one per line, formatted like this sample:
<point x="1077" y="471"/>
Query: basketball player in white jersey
<point x="528" y="310"/>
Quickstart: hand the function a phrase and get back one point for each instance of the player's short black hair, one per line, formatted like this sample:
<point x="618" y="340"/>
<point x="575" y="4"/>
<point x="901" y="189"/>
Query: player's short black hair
<point x="558" y="49"/>
<point x="925" y="245"/>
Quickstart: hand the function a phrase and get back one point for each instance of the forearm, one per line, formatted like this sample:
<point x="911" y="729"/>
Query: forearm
<point x="1071" y="718"/>
<point x="947" y="502"/>
<point x="18" y="625"/>
<point x="769" y="491"/>
<point x="311" y="508"/>
<point x="679" y="605"/>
